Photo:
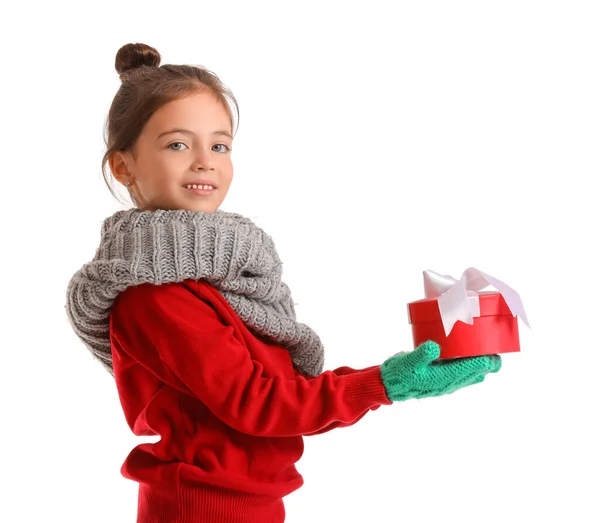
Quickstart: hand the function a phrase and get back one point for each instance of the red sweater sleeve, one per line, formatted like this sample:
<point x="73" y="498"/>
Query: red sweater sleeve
<point x="338" y="424"/>
<point x="189" y="346"/>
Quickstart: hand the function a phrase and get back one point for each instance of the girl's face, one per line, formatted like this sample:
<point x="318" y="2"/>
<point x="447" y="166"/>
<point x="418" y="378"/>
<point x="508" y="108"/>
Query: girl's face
<point x="168" y="161"/>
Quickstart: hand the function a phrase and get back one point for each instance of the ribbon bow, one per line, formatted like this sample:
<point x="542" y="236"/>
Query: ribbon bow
<point x="458" y="300"/>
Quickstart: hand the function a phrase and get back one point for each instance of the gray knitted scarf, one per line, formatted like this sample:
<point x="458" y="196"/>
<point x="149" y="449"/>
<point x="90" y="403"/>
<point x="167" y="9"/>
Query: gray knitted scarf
<point x="227" y="250"/>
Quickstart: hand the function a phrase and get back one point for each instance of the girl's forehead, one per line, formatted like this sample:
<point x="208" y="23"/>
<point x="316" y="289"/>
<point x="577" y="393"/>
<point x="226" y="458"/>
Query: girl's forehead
<point x="190" y="113"/>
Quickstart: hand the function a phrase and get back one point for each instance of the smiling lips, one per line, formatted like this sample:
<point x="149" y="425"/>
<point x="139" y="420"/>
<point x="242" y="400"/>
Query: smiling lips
<point x="201" y="191"/>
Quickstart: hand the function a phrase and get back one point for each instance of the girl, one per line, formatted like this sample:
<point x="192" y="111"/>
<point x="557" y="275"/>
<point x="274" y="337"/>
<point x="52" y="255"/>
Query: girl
<point x="184" y="305"/>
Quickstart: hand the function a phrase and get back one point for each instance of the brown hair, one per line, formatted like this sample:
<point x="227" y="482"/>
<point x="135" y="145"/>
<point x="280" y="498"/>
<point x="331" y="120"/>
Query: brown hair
<point x="145" y="88"/>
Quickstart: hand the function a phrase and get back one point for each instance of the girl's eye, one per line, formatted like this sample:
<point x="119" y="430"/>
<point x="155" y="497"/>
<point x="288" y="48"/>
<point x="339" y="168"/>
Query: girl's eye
<point x="224" y="146"/>
<point x="175" y="143"/>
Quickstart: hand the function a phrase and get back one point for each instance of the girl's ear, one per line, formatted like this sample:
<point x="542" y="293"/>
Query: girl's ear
<point x="118" y="166"/>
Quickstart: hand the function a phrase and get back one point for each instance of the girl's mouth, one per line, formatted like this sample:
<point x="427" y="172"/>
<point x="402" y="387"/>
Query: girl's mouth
<point x="200" y="192"/>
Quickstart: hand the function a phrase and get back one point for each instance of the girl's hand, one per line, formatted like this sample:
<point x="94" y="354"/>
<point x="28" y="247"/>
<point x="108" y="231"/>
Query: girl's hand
<point x="415" y="374"/>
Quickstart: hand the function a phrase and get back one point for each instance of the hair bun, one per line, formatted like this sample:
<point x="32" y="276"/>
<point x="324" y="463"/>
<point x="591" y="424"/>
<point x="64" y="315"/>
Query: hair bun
<point x="131" y="56"/>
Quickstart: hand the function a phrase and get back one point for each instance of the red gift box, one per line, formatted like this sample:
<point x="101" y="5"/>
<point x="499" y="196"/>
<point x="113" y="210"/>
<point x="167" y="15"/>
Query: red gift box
<point x="494" y="331"/>
<point x="464" y="320"/>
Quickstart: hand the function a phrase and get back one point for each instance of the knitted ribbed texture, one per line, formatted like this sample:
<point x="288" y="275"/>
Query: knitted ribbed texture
<point x="163" y="246"/>
<point x="166" y="503"/>
<point x="415" y="374"/>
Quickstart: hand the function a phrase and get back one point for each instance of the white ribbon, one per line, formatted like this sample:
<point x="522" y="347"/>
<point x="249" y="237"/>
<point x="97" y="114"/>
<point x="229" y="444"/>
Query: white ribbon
<point x="458" y="300"/>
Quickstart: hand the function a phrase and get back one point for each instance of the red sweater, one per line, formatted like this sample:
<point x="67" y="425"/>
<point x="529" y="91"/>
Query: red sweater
<point x="229" y="407"/>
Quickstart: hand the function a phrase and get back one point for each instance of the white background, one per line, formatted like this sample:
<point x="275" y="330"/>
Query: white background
<point x="376" y="139"/>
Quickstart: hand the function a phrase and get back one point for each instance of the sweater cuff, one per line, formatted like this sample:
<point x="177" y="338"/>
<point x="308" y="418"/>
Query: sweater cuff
<point x="365" y="390"/>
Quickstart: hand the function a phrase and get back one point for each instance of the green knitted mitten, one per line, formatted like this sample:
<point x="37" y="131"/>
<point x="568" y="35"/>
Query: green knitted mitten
<point x="415" y="374"/>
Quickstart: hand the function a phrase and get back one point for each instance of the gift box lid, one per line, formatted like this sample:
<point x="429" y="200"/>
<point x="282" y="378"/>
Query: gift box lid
<point x="491" y="303"/>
